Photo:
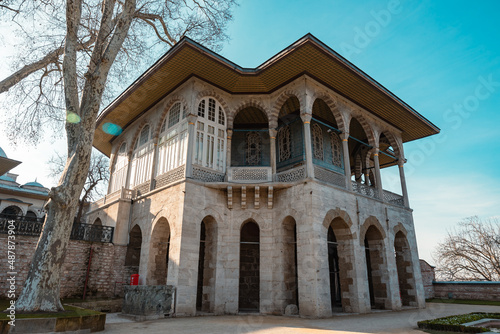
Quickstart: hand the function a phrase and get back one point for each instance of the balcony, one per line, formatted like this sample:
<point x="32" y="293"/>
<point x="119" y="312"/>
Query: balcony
<point x="33" y="227"/>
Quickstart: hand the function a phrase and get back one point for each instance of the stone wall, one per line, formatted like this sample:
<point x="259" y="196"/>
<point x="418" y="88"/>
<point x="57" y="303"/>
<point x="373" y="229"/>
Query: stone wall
<point x="106" y="267"/>
<point x="467" y="290"/>
<point x="428" y="277"/>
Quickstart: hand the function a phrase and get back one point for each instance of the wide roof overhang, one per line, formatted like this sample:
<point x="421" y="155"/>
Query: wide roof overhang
<point x="308" y="55"/>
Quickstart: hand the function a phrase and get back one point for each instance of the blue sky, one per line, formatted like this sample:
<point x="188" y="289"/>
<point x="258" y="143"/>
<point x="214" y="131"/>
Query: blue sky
<point x="440" y="57"/>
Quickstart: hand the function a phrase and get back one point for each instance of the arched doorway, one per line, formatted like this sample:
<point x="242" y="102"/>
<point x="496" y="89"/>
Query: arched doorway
<point x="290" y="262"/>
<point x="249" y="284"/>
<point x="207" y="263"/>
<point x="341" y="269"/>
<point x="333" y="267"/>
<point x="376" y="267"/>
<point x="133" y="256"/>
<point x="404" y="266"/>
<point x="159" y="253"/>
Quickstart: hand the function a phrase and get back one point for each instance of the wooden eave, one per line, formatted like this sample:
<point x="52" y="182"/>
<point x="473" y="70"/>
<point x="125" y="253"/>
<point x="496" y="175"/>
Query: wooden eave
<point x="308" y="55"/>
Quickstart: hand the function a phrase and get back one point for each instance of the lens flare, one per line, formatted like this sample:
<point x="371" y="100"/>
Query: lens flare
<point x="111" y="129"/>
<point x="71" y="117"/>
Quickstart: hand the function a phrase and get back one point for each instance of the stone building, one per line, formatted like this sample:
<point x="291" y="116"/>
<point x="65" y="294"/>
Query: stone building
<point x="20" y="202"/>
<point x="248" y="190"/>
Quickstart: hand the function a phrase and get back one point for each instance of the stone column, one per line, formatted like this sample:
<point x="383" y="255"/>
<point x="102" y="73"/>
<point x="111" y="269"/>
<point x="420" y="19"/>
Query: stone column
<point x="190" y="145"/>
<point x="403" y="183"/>
<point x="347" y="161"/>
<point x="306" y="118"/>
<point x="272" y="137"/>
<point x="152" y="183"/>
<point x="378" y="178"/>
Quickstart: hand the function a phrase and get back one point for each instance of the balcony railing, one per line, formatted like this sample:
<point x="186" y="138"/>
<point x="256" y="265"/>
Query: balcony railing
<point x="364" y="189"/>
<point x="94" y="233"/>
<point x="249" y="174"/>
<point x="86" y="232"/>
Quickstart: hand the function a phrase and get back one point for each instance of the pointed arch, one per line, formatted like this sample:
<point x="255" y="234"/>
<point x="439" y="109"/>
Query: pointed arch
<point x="246" y="104"/>
<point x="159" y="249"/>
<point x="173" y="100"/>
<point x="283" y="97"/>
<point x="207" y="265"/>
<point x="370" y="134"/>
<point x="216" y="96"/>
<point x="396" y="145"/>
<point x="332" y="104"/>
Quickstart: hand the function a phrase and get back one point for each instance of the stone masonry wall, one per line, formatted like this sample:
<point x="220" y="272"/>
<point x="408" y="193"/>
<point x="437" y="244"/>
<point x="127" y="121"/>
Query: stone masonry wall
<point x="106" y="268"/>
<point x="428" y="277"/>
<point x="467" y="290"/>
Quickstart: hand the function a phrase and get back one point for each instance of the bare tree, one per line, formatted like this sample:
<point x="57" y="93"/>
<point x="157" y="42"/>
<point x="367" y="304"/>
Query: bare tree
<point x="470" y="252"/>
<point x="61" y="74"/>
<point x="97" y="177"/>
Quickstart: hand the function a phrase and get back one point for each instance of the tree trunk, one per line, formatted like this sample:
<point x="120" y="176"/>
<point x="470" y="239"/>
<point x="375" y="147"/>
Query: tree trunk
<point x="41" y="288"/>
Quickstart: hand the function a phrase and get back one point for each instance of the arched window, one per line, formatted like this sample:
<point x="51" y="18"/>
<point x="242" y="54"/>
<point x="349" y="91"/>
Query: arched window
<point x="31" y="216"/>
<point x="119" y="172"/>
<point x="173" y="139"/>
<point x="210" y="143"/>
<point x="317" y="139"/>
<point x="142" y="158"/>
<point x="336" y="149"/>
<point x="254" y="149"/>
<point x="284" y="146"/>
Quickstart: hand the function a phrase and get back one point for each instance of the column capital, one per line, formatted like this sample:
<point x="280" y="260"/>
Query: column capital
<point x="306" y="118"/>
<point x="229" y="133"/>
<point x="272" y="133"/>
<point x="344" y="135"/>
<point x="191" y="118"/>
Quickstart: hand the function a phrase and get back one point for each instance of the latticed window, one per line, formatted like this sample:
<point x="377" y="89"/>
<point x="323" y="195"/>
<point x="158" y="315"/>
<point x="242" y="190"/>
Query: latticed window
<point x="119" y="174"/>
<point x="317" y="141"/>
<point x="336" y="149"/>
<point x="211" y="110"/>
<point x="209" y="150"/>
<point x="201" y="109"/>
<point x="142" y="158"/>
<point x="284" y="146"/>
<point x="172" y="144"/>
<point x="222" y="119"/>
<point x="174" y="114"/>
<point x="254" y="149"/>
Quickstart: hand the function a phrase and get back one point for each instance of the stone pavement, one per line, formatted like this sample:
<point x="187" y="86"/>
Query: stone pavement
<point x="377" y="322"/>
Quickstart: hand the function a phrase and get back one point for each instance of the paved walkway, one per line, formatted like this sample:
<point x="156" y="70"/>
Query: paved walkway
<point x="378" y="322"/>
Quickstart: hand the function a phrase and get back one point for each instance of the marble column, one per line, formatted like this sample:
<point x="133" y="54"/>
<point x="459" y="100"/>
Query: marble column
<point x="378" y="177"/>
<point x="306" y="118"/>
<point x="272" y="137"/>
<point x="404" y="190"/>
<point x="347" y="161"/>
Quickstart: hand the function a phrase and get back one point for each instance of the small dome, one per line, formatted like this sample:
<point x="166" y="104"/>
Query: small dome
<point x="2" y="153"/>
<point x="33" y="184"/>
<point x="6" y="178"/>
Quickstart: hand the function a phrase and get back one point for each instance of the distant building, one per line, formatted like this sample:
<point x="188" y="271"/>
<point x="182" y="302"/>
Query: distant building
<point x="249" y="190"/>
<point x="20" y="202"/>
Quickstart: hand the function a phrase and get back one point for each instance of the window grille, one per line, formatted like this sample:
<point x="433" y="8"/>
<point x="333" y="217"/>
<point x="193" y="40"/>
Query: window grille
<point x="284" y="143"/>
<point x="317" y="139"/>
<point x="254" y="149"/>
<point x="336" y="149"/>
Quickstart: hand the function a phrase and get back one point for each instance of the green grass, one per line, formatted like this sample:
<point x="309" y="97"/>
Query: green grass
<point x="454" y="323"/>
<point x="464" y="301"/>
<point x="70" y="311"/>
